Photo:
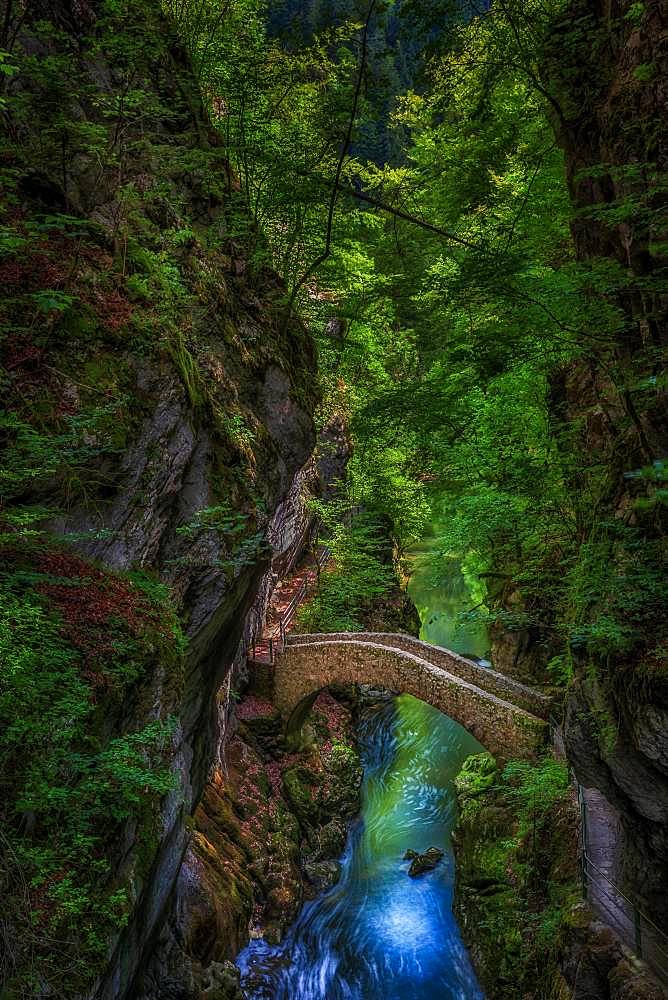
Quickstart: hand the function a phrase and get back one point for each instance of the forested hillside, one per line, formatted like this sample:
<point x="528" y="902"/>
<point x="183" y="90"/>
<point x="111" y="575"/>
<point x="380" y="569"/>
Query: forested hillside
<point x="430" y="236"/>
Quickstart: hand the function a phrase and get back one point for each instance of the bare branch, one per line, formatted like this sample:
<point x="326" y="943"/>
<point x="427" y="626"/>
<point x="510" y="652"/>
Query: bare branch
<point x="336" y="187"/>
<point x="414" y="220"/>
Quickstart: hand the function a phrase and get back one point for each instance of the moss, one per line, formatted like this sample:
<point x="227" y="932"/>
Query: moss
<point x="96" y="638"/>
<point x="298" y="788"/>
<point x="517" y="873"/>
<point x="187" y="368"/>
<point x="477" y="775"/>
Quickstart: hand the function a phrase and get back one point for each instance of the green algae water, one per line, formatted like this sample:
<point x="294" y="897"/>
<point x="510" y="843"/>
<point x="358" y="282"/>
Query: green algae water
<point x="442" y="596"/>
<point x="380" y="934"/>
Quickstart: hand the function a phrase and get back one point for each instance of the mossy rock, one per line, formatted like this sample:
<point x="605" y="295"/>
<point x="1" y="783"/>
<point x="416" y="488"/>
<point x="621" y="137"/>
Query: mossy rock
<point x="265" y="730"/>
<point x="297" y="787"/>
<point x="478" y="774"/>
<point x="221" y="981"/>
<point x="283" y="846"/>
<point x="347" y="694"/>
<point x="341" y="791"/>
<point x="286" y="823"/>
<point x="322" y="875"/>
<point x="330" y="840"/>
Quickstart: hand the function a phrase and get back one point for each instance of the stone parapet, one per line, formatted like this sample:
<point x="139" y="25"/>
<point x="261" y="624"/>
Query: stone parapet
<point x="302" y="668"/>
<point x="503" y="687"/>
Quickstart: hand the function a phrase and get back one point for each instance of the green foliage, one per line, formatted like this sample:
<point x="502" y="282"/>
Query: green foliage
<point x="645" y="72"/>
<point x="52" y="300"/>
<point x="445" y="359"/>
<point x="360" y="571"/>
<point x="478" y="774"/>
<point x="616" y="587"/>
<point x="244" y="547"/>
<point x="517" y="869"/>
<point x="536" y="788"/>
<point x="281" y="114"/>
<point x="222" y="519"/>
<point x="32" y="458"/>
<point x="561" y="670"/>
<point x="635" y="12"/>
<point x="68" y="788"/>
<point x="7" y="69"/>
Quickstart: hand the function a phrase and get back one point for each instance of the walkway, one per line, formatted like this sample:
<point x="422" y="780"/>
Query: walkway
<point x="286" y="600"/>
<point x="601" y="868"/>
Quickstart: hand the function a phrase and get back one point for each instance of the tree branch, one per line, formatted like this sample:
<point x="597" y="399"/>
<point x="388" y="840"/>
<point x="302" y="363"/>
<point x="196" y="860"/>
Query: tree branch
<point x="414" y="220"/>
<point x="336" y="187"/>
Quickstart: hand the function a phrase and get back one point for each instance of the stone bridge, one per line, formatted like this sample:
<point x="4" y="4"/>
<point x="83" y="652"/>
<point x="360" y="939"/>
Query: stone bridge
<point x="507" y="717"/>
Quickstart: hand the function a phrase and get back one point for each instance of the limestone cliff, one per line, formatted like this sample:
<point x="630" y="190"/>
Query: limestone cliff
<point x="606" y="72"/>
<point x="158" y="410"/>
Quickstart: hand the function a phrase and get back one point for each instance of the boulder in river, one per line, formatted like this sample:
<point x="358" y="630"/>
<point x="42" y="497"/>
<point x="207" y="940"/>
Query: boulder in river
<point x="426" y="862"/>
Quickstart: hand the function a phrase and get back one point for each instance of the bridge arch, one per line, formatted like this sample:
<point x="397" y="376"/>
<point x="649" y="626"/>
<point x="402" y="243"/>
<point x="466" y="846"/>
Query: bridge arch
<point x="307" y="664"/>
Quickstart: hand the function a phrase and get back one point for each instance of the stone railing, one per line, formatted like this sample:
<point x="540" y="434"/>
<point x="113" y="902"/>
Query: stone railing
<point x="505" y="688"/>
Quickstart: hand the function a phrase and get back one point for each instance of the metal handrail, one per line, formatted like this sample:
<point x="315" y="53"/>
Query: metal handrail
<point x="323" y="556"/>
<point x="623" y="896"/>
<point x="637" y="917"/>
<point x="619" y="917"/>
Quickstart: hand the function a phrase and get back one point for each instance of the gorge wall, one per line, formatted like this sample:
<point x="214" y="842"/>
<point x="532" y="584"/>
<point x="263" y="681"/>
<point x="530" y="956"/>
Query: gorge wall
<point x="159" y="410"/>
<point x="604" y="77"/>
<point x="606" y="69"/>
<point x="518" y="891"/>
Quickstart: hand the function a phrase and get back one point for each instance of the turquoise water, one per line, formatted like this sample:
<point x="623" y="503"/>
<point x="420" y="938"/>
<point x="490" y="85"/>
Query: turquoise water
<point x="443" y="598"/>
<point x="379" y="934"/>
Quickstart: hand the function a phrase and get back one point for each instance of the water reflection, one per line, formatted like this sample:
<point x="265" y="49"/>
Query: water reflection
<point x="379" y="933"/>
<point x="441" y="595"/>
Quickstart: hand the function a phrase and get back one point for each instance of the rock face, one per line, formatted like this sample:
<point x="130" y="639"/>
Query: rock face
<point x="624" y="763"/>
<point x="258" y="786"/>
<point x="171" y="355"/>
<point x="291" y="531"/>
<point x="293" y="528"/>
<point x="521" y="653"/>
<point x="334" y="450"/>
<point x="267" y="833"/>
<point x="598" y="965"/>
<point x="605" y="67"/>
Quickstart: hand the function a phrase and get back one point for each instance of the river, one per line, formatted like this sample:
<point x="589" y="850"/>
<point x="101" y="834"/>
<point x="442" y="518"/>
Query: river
<point x="380" y="934"/>
<point x="441" y="595"/>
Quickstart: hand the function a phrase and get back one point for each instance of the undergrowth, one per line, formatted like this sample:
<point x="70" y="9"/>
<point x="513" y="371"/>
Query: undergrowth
<point x="77" y="644"/>
<point x="359" y="572"/>
<point x="517" y="870"/>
